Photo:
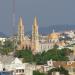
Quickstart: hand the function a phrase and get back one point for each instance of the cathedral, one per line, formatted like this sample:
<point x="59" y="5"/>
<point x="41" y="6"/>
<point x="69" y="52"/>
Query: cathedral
<point x="37" y="43"/>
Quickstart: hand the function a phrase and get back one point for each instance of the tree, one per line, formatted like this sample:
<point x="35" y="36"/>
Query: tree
<point x="66" y="51"/>
<point x="26" y="54"/>
<point x="42" y="58"/>
<point x="0" y="44"/>
<point x="58" y="69"/>
<point x="38" y="73"/>
<point x="7" y="47"/>
<point x="9" y="44"/>
<point x="38" y="58"/>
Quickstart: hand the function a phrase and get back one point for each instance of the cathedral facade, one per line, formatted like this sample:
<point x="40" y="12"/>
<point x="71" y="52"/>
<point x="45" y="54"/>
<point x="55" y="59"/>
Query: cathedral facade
<point x="36" y="42"/>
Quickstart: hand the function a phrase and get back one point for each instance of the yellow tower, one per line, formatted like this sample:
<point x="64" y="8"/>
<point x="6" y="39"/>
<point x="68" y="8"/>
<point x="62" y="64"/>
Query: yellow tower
<point x="35" y="37"/>
<point x="21" y="38"/>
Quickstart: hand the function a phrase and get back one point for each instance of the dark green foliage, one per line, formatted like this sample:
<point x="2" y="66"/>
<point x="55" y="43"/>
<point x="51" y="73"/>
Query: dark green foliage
<point x="61" y="70"/>
<point x="7" y="47"/>
<point x="58" y="69"/>
<point x="39" y="58"/>
<point x="42" y="58"/>
<point x="8" y="43"/>
<point x="54" y="54"/>
<point x="38" y="73"/>
<point x="26" y="54"/>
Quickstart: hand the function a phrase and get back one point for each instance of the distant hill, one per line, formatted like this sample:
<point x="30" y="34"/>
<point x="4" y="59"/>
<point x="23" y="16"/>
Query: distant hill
<point x="2" y="34"/>
<point x="57" y="28"/>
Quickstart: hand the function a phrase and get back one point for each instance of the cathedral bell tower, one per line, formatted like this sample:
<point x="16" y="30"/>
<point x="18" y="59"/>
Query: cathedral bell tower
<point x="35" y="37"/>
<point x="21" y="38"/>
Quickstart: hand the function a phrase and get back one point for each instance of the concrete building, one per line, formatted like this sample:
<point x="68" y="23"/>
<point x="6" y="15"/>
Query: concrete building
<point x="9" y="63"/>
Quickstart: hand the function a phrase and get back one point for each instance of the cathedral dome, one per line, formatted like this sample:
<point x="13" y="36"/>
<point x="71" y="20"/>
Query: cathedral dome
<point x="53" y="36"/>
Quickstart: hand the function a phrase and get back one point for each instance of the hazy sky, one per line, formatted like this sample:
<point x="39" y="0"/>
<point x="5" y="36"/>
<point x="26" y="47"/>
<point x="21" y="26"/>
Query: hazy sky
<point x="48" y="12"/>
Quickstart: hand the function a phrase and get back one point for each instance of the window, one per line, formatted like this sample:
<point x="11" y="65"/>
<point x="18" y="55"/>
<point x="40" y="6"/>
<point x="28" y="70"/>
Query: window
<point x="16" y="71"/>
<point x="22" y="70"/>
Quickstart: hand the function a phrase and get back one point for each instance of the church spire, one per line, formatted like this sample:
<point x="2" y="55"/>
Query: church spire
<point x="35" y="25"/>
<point x="20" y="21"/>
<point x="21" y="39"/>
<point x="35" y="21"/>
<point x="35" y="36"/>
<point x="20" y="28"/>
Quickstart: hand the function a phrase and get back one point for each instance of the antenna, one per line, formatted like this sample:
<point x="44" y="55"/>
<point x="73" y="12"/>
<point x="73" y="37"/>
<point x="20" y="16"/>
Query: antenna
<point x="13" y="22"/>
<point x="13" y="14"/>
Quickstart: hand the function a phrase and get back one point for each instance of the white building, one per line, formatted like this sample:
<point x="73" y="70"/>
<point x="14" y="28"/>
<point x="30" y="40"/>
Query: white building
<point x="15" y="64"/>
<point x="2" y="39"/>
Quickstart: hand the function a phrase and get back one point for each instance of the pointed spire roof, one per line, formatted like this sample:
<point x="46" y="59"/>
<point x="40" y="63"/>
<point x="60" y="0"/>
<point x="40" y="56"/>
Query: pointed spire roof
<point x="20" y="26"/>
<point x="35" y="21"/>
<point x="20" y="21"/>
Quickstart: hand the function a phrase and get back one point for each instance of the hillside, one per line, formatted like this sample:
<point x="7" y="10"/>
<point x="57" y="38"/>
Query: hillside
<point x="57" y="28"/>
<point x="2" y="34"/>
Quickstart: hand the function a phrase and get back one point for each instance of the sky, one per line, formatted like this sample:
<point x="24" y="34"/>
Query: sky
<point x="49" y="12"/>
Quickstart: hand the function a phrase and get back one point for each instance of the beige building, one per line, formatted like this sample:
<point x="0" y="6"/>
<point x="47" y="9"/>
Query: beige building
<point x="37" y="43"/>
